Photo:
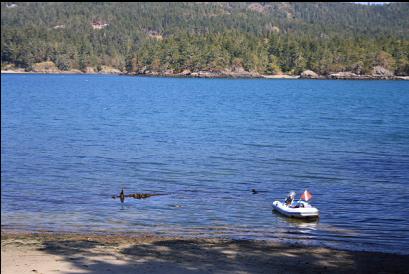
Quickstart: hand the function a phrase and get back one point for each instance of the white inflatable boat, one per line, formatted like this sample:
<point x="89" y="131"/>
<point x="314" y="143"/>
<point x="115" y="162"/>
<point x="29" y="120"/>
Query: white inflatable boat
<point x="303" y="210"/>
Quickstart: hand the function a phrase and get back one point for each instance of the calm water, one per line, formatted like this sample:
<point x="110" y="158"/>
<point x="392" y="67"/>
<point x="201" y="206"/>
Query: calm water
<point x="69" y="142"/>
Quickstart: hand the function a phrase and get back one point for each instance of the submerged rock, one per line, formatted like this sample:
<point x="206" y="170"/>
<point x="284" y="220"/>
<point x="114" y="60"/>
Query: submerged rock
<point x="142" y="195"/>
<point x="122" y="195"/>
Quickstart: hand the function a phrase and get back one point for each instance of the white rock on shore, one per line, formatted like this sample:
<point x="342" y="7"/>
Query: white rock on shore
<point x="309" y="74"/>
<point x="381" y="71"/>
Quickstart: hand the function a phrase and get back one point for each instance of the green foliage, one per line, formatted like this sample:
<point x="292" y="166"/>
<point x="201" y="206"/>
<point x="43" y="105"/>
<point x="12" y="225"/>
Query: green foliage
<point x="276" y="38"/>
<point x="385" y="60"/>
<point x="63" y="62"/>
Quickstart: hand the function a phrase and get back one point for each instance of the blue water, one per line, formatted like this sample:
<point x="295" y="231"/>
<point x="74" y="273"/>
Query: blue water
<point x="69" y="142"/>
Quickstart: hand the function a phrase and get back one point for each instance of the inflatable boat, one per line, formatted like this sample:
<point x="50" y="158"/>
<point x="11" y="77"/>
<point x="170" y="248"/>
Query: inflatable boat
<point x="300" y="210"/>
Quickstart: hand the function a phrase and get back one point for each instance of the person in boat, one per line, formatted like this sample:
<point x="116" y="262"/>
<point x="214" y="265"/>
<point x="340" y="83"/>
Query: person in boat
<point x="290" y="199"/>
<point x="303" y="202"/>
<point x="298" y="204"/>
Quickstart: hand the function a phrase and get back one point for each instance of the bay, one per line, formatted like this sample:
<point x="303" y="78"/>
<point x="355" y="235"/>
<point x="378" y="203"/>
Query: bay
<point x="70" y="142"/>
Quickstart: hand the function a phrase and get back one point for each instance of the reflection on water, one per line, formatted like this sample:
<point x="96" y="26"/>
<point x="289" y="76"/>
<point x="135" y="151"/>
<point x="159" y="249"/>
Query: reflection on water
<point x="297" y="222"/>
<point x="338" y="230"/>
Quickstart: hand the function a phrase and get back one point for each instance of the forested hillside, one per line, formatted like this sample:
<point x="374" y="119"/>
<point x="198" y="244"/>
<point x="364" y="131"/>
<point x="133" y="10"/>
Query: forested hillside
<point x="267" y="38"/>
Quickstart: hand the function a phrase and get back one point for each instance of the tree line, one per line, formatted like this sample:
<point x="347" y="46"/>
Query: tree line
<point x="267" y="38"/>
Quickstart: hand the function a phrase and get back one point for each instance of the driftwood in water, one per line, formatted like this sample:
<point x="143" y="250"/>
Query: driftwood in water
<point x="142" y="195"/>
<point x="122" y="196"/>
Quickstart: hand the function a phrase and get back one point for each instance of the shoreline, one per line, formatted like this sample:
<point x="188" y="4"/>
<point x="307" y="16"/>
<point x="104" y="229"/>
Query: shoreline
<point x="210" y="75"/>
<point x="91" y="253"/>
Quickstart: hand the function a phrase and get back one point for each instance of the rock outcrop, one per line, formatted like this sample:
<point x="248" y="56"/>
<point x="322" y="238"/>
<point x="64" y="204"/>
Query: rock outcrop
<point x="109" y="70"/>
<point x="45" y="67"/>
<point x="206" y="74"/>
<point x="74" y="71"/>
<point x="88" y="70"/>
<point x="381" y="71"/>
<point x="280" y="76"/>
<point x="235" y="73"/>
<point x="168" y="72"/>
<point x="309" y="74"/>
<point x="343" y="75"/>
<point x="185" y="72"/>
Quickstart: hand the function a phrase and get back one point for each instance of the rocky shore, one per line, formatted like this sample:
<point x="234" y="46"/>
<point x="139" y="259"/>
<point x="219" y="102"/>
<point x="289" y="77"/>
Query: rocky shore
<point x="93" y="253"/>
<point x="378" y="73"/>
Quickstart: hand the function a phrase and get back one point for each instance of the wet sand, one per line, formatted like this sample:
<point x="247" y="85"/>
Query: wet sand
<point x="79" y="253"/>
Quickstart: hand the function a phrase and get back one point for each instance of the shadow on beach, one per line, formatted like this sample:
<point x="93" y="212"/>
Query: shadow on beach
<point x="215" y="256"/>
